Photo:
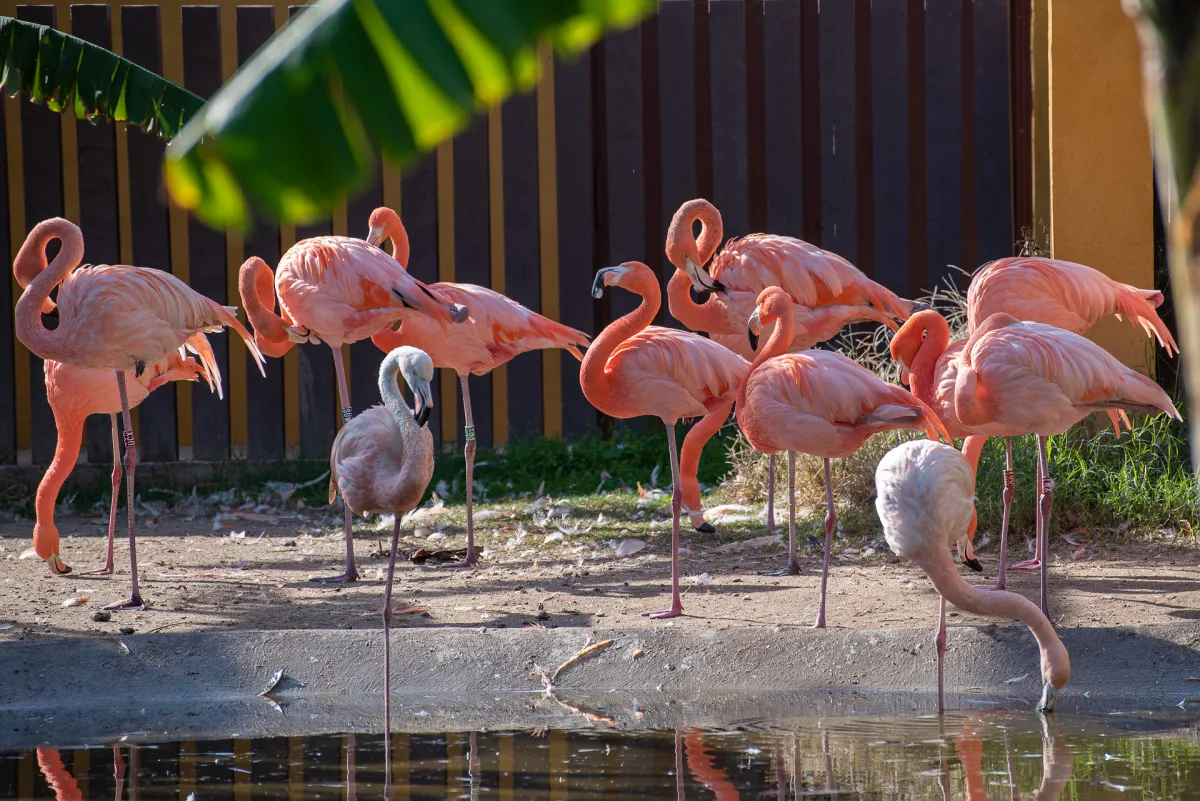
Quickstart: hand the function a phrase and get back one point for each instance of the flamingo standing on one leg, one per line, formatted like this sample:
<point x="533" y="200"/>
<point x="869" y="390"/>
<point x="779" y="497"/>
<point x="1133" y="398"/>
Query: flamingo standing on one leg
<point x="925" y="497"/>
<point x="1065" y="295"/>
<point x="1012" y="378"/>
<point x="382" y="461"/>
<point x="817" y="402"/>
<point x="499" y="329"/>
<point x="112" y="317"/>
<point x="829" y="292"/>
<point x="336" y="290"/>
<point x="633" y="368"/>
<point x="75" y="393"/>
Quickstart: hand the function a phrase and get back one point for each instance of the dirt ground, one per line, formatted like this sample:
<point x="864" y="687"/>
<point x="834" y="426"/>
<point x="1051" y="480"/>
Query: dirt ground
<point x="549" y="564"/>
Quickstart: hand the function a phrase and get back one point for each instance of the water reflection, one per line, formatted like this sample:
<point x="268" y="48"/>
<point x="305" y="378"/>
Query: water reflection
<point x="977" y="757"/>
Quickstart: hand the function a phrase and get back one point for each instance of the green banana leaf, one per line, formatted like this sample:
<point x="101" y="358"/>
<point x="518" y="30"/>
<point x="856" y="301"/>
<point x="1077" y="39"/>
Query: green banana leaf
<point x="297" y="127"/>
<point x="67" y="74"/>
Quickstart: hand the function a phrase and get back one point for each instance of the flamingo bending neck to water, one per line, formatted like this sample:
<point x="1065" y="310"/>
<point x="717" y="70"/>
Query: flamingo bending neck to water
<point x="498" y="330"/>
<point x="633" y="368"/>
<point x="817" y="402"/>
<point x="925" y="497"/>
<point x="116" y="318"/>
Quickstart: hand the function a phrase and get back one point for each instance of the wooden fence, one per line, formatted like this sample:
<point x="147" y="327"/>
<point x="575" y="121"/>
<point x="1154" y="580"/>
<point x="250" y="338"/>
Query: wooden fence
<point x="883" y="130"/>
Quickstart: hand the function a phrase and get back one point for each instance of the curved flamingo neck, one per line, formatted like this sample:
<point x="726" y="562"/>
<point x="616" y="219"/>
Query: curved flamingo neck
<point x="682" y="242"/>
<point x="922" y="372"/>
<point x="256" y="284"/>
<point x="776" y="345"/>
<point x="393" y="398"/>
<point x="401" y="250"/>
<point x="593" y="379"/>
<point x="36" y="296"/>
<point x="711" y="231"/>
<point x="707" y="316"/>
<point x="66" y="454"/>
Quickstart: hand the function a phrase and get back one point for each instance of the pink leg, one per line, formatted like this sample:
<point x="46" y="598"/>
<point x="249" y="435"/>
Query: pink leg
<point x="1036" y="562"/>
<point x="830" y="525"/>
<point x="1010" y="491"/>
<point x="1044" y="505"/>
<point x="135" y="598"/>
<point x="939" y="643"/>
<point x="679" y="794"/>
<point x="107" y="570"/>
<point x="771" y="493"/>
<point x="793" y="563"/>
<point x="118" y="770"/>
<point x="469" y="452"/>
<point x="351" y="573"/>
<point x="387" y="645"/>
<point x="676" y="507"/>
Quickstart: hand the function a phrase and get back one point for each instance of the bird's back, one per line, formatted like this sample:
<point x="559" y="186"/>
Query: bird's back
<point x="924" y="497"/>
<point x="375" y="468"/>
<point x="812" y="276"/>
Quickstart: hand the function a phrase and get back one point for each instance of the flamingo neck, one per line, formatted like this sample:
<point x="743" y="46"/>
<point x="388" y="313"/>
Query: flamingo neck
<point x="922" y="378"/>
<point x="66" y="454"/>
<point x="401" y="250"/>
<point x="777" y="344"/>
<point x="32" y="256"/>
<point x="593" y="378"/>
<point x="707" y="316"/>
<point x="711" y="231"/>
<point x="256" y="284"/>
<point x="393" y="398"/>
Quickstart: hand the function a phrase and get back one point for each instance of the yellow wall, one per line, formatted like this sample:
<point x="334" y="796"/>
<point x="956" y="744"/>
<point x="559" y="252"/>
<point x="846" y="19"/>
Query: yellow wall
<point x="1101" y="176"/>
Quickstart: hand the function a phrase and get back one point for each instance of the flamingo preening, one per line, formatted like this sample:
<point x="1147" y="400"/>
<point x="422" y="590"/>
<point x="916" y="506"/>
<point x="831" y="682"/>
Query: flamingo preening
<point x="336" y="290"/>
<point x="633" y="368"/>
<point x="925" y="498"/>
<point x="499" y="329"/>
<point x="817" y="402"/>
<point x="112" y="317"/>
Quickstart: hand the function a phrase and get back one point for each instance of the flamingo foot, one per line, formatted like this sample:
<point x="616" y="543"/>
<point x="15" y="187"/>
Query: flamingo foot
<point x="107" y="570"/>
<point x="792" y="568"/>
<point x="675" y="611"/>
<point x="820" y="621"/>
<point x="1028" y="564"/>
<point x="134" y="604"/>
<point x="471" y="561"/>
<point x="1000" y="584"/>
<point x="345" y="578"/>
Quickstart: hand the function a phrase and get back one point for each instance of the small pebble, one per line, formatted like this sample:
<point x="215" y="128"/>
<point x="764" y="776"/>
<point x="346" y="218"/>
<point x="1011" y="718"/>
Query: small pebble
<point x="101" y="616"/>
<point x="543" y="615"/>
<point x="127" y="629"/>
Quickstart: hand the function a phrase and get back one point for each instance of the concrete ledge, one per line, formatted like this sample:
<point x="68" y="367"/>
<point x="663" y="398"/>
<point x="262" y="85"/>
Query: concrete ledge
<point x="206" y="684"/>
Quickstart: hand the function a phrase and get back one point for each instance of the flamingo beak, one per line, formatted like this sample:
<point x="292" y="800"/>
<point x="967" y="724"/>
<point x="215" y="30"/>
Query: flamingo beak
<point x="424" y="400"/>
<point x="917" y="306"/>
<point x="702" y="282"/>
<point x="57" y="566"/>
<point x="1049" y="697"/>
<point x="905" y="376"/>
<point x="753" y="328"/>
<point x="608" y="276"/>
<point x="375" y="235"/>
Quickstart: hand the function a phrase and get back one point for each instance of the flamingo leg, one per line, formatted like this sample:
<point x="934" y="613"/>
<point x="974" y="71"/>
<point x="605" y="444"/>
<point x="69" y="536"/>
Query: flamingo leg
<point x="771" y="493"/>
<point x="939" y="643"/>
<point x="469" y="453"/>
<point x="387" y="647"/>
<point x="351" y="573"/>
<point x="1014" y="794"/>
<point x="1036" y="562"/>
<point x="1044" y="504"/>
<point x="135" y="598"/>
<point x="107" y="570"/>
<point x="1010" y="491"/>
<point x="118" y="770"/>
<point x="830" y="525"/>
<point x="793" y="563"/>
<point x="829" y="780"/>
<point x="679" y="794"/>
<point x="676" y="508"/>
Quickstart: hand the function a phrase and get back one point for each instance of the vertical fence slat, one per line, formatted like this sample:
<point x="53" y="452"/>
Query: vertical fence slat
<point x="522" y="263"/>
<point x="784" y="182"/>
<point x="966" y="135"/>
<point x="421" y="221"/>
<point x="943" y="143"/>
<point x="496" y="247"/>
<point x="756" y="113"/>
<point x="810" y="119"/>
<point x="864" y="156"/>
<point x="150" y="229"/>
<point x="676" y="116"/>
<point x="365" y="357"/>
<point x="576" y="239"/>
<point x="472" y="256"/>
<point x="206" y="246"/>
<point x="96" y="149"/>
<point x="626" y="187"/>
<point x="839" y="232"/>
<point x="889" y="88"/>
<point x="917" y="250"/>
<point x="703" y="94"/>
<point x="547" y="155"/>
<point x="993" y="152"/>
<point x="8" y="299"/>
<point x="653" y="234"/>
<point x="727" y="76"/>
<point x="264" y="395"/>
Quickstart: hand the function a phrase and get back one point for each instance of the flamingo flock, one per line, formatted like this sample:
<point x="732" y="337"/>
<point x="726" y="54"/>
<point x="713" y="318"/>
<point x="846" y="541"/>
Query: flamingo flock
<point x="1023" y="368"/>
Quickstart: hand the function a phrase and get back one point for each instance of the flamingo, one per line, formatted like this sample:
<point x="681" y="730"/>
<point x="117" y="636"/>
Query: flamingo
<point x="829" y="292"/>
<point x="74" y="393"/>
<point x="817" y="402"/>
<point x="382" y="461"/>
<point x="924" y="498"/>
<point x="499" y="329"/>
<point x="1065" y="295"/>
<point x="633" y="368"/>
<point x="112" y="317"/>
<point x="1012" y="378"/>
<point x="336" y="290"/>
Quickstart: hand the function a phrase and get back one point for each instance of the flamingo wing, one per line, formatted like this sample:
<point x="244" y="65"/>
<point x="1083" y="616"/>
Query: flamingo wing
<point x="365" y="452"/>
<point x="499" y="321"/>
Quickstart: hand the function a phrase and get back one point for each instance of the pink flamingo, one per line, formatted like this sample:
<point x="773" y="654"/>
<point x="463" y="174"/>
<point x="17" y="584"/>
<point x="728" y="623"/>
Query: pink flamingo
<point x="499" y="329"/>
<point x="829" y="292"/>
<point x="817" y="402"/>
<point x="74" y="393"/>
<point x="925" y="498"/>
<point x="111" y="317"/>
<point x="336" y="290"/>
<point x="634" y="368"/>
<point x="1065" y="295"/>
<point x="1012" y="378"/>
<point x="382" y="461"/>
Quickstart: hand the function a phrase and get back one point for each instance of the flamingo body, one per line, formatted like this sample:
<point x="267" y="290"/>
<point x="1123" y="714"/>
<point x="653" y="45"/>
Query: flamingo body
<point x="368" y="463"/>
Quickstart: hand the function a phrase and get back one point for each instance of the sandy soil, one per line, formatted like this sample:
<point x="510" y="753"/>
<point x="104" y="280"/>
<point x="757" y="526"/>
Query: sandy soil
<point x="204" y="575"/>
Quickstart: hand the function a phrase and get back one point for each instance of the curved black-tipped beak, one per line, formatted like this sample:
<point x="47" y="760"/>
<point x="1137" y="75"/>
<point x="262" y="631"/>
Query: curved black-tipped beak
<point x="917" y="306"/>
<point x="706" y="528"/>
<point x="598" y="284"/>
<point x="753" y="327"/>
<point x="1048" y="699"/>
<point x="424" y="406"/>
<point x="374" y="236"/>
<point x="699" y="298"/>
<point x="753" y="337"/>
<point x="973" y="564"/>
<point x="702" y="282"/>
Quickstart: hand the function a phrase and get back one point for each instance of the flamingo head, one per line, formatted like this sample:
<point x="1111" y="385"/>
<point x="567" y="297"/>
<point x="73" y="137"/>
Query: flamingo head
<point x="911" y="336"/>
<point x="417" y="369"/>
<point x="690" y="254"/>
<point x="382" y="223"/>
<point x="773" y="303"/>
<point x="632" y="275"/>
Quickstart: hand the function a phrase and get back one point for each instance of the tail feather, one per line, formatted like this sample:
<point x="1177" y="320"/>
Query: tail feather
<point x="934" y="427"/>
<point x="1139" y="306"/>
<point x="229" y="318"/>
<point x="199" y="345"/>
